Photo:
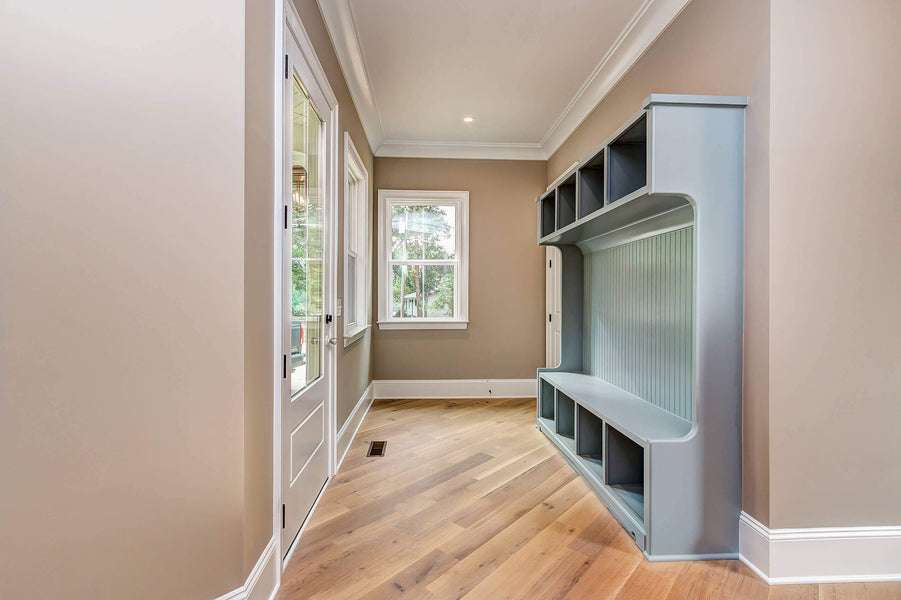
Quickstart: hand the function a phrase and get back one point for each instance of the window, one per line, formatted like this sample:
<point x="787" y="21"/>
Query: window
<point x="423" y="259"/>
<point x="357" y="225"/>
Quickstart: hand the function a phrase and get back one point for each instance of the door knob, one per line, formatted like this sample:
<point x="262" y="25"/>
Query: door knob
<point x="333" y="341"/>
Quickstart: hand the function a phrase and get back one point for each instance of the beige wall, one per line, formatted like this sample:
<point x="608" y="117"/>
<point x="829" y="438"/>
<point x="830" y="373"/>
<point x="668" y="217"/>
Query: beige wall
<point x="354" y="362"/>
<point x="714" y="47"/>
<point x="835" y="358"/>
<point x="505" y="338"/>
<point x="136" y="330"/>
<point x="259" y="202"/>
<point x="122" y="295"/>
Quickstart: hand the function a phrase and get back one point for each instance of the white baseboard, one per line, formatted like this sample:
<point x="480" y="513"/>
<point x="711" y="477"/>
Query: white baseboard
<point x="262" y="583"/>
<point x="352" y="424"/>
<point x="820" y="555"/>
<point x="406" y="389"/>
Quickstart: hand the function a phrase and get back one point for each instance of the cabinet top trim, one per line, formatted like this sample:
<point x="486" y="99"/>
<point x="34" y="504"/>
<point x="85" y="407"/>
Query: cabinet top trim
<point x="693" y="100"/>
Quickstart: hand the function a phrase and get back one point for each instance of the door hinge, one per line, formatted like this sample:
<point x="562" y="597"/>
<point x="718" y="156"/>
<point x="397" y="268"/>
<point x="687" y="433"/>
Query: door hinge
<point x="286" y="216"/>
<point x="283" y="516"/>
<point x="550" y="264"/>
<point x="549" y="318"/>
<point x="286" y="66"/>
<point x="328" y="319"/>
<point x="284" y="366"/>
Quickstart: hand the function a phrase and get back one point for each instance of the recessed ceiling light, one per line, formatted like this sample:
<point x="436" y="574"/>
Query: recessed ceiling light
<point x="468" y="119"/>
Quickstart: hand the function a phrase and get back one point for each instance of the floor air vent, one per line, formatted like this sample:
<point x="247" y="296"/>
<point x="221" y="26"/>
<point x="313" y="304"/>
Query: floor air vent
<point x="377" y="448"/>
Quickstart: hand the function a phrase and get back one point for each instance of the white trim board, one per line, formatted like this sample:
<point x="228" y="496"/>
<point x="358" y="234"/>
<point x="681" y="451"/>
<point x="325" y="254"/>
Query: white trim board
<point x="820" y="555"/>
<point x="651" y="19"/>
<point x="263" y="580"/>
<point x="339" y="22"/>
<point x="352" y="424"/>
<point x="407" y="389"/>
<point x="481" y="150"/>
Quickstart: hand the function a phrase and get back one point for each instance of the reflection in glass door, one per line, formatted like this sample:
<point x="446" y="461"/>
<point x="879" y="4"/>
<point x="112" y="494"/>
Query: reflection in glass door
<point x="306" y="241"/>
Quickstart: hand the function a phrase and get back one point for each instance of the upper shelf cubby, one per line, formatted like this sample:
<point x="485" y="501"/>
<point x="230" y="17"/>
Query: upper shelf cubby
<point x="591" y="185"/>
<point x="628" y="161"/>
<point x="548" y="214"/>
<point x="566" y="202"/>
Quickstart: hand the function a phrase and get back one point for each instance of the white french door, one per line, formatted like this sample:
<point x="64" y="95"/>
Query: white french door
<point x="306" y="390"/>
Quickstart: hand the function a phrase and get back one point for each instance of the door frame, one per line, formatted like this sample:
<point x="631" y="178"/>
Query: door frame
<point x="316" y="82"/>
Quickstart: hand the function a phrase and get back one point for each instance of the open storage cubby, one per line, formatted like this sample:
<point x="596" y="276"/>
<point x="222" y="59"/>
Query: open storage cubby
<point x="566" y="202"/>
<point x="628" y="156"/>
<point x="591" y="185"/>
<point x="590" y="440"/>
<point x="625" y="470"/>
<point x="647" y="393"/>
<point x="548" y="214"/>
<point x="566" y="416"/>
<point x="546" y="401"/>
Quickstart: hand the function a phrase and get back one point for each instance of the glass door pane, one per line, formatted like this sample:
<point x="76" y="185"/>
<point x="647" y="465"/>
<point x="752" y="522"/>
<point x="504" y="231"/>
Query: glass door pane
<point x="306" y="242"/>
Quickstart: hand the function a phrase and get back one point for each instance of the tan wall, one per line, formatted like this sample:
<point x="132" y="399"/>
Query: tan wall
<point x="354" y="362"/>
<point x="836" y="331"/>
<point x="259" y="202"/>
<point x="505" y="338"/>
<point x="122" y="294"/>
<point x="714" y="47"/>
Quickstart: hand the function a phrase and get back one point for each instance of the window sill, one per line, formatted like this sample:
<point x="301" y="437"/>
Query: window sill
<point x="424" y="324"/>
<point x="354" y="334"/>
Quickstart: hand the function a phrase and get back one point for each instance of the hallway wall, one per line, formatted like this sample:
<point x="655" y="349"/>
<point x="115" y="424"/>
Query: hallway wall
<point x="835" y="359"/>
<point x="505" y="338"/>
<point x="135" y="260"/>
<point x="122" y="295"/>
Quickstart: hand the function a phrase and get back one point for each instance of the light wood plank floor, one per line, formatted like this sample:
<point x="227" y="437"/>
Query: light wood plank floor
<point x="471" y="501"/>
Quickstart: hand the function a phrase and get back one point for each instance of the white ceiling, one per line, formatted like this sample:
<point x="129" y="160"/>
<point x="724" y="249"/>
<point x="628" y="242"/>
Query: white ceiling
<point x="528" y="71"/>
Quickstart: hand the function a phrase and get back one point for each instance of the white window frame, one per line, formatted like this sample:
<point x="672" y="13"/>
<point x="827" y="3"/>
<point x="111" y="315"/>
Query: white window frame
<point x="461" y="285"/>
<point x="357" y="242"/>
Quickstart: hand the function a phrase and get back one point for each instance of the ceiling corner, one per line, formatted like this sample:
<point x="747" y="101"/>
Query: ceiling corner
<point x="342" y="31"/>
<point x="639" y="34"/>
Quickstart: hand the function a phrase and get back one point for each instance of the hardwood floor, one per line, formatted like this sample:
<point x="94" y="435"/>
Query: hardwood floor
<point x="471" y="501"/>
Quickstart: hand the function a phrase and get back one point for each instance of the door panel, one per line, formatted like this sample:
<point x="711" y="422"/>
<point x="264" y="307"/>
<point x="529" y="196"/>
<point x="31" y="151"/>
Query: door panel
<point x="305" y="441"/>
<point x="305" y="389"/>
<point x="553" y="301"/>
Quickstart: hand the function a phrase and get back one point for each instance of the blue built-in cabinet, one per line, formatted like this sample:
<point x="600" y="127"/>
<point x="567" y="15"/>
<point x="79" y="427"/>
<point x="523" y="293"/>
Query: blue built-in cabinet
<point x="646" y="401"/>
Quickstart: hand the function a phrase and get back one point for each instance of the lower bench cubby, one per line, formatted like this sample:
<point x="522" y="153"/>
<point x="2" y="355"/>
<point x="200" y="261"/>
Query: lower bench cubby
<point x="565" y="423"/>
<point x="590" y="440"/>
<point x="546" y="399"/>
<point x="625" y="471"/>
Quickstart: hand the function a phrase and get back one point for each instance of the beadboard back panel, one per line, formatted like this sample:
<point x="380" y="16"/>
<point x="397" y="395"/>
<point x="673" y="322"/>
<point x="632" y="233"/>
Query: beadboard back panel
<point x="640" y="318"/>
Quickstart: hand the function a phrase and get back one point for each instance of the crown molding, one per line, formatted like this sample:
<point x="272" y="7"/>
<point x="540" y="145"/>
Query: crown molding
<point x="484" y="150"/>
<point x="649" y="22"/>
<point x="640" y="33"/>
<point x="339" y="22"/>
